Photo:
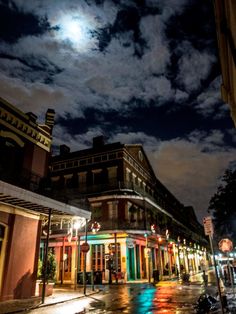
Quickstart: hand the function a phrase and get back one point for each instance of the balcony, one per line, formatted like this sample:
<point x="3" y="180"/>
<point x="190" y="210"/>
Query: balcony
<point x="24" y="179"/>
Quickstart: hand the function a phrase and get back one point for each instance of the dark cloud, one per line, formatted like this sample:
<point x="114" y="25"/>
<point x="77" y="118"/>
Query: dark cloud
<point x="15" y="24"/>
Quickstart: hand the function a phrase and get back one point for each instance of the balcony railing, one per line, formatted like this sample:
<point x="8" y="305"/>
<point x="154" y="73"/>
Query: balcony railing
<point x="24" y="179"/>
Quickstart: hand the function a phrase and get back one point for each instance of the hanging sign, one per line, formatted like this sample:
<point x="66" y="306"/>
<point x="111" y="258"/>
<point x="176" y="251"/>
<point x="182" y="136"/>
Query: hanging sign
<point x="208" y="226"/>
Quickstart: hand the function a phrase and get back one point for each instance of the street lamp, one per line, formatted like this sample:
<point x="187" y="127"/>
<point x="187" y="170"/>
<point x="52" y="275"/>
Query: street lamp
<point x="77" y="225"/>
<point x="95" y="227"/>
<point x="147" y="255"/>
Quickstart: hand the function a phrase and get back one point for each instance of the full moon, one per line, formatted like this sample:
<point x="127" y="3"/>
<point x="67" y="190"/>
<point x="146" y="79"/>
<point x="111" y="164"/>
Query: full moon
<point x="75" y="31"/>
<point x="72" y="30"/>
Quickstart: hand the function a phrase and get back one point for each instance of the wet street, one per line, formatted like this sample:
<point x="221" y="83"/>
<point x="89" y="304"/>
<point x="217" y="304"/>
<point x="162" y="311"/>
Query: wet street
<point x="138" y="298"/>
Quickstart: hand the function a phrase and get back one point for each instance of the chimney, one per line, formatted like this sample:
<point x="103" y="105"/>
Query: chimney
<point x="98" y="141"/>
<point x="64" y="149"/>
<point x="49" y="118"/>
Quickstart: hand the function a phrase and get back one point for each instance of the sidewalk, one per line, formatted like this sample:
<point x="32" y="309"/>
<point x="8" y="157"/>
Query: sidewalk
<point x="61" y="293"/>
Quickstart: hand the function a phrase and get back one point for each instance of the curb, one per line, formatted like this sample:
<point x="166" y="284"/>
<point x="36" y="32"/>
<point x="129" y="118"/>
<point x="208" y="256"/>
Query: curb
<point x="50" y="304"/>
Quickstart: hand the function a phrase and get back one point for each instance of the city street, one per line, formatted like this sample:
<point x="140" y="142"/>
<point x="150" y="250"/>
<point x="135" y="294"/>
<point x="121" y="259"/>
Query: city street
<point x="138" y="298"/>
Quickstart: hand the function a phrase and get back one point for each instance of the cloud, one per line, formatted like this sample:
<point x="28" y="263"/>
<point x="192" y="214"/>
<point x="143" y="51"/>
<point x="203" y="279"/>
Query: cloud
<point x="30" y="96"/>
<point x="191" y="167"/>
<point x="194" y="67"/>
<point x="209" y="102"/>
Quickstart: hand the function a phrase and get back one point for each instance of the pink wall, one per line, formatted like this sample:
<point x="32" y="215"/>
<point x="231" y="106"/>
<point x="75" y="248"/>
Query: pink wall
<point x="20" y="269"/>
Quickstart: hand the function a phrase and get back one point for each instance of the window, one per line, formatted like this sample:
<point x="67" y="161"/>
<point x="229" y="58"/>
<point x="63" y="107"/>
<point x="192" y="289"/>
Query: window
<point x="97" y="176"/>
<point x="120" y="155"/>
<point x="83" y="162"/>
<point x="98" y="257"/>
<point x="112" y="156"/>
<point x="104" y="157"/>
<point x="68" y="179"/>
<point x="82" y="178"/>
<point x="112" y="250"/>
<point x="69" y="164"/>
<point x="140" y="155"/>
<point x="128" y="175"/>
<point x="97" y="159"/>
<point x="112" y="173"/>
<point x="97" y="211"/>
<point x="112" y="208"/>
<point x="134" y="178"/>
<point x="2" y="234"/>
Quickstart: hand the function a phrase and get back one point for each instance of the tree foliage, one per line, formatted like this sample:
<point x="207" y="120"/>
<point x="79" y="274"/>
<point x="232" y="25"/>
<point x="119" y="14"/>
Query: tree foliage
<point x="51" y="268"/>
<point x="223" y="207"/>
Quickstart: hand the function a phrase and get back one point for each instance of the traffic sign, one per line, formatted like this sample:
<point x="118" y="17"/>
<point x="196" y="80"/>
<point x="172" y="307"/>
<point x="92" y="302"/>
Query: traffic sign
<point x="85" y="247"/>
<point x="208" y="226"/>
<point x="225" y="245"/>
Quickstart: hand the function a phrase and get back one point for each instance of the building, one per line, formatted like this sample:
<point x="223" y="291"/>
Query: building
<point x="140" y="225"/>
<point x="25" y="147"/>
<point x="225" y="18"/>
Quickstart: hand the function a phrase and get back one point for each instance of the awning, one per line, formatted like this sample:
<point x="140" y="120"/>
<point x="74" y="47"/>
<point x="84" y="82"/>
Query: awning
<point x="27" y="200"/>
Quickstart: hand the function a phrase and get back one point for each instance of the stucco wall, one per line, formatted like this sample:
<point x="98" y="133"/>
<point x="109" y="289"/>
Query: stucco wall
<point x="21" y="256"/>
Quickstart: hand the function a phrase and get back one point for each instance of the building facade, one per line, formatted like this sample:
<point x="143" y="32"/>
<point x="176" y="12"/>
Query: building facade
<point x="143" y="227"/>
<point x="25" y="149"/>
<point x="225" y="18"/>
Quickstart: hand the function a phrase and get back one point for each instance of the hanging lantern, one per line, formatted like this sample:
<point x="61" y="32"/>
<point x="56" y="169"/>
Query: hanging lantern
<point x="95" y="227"/>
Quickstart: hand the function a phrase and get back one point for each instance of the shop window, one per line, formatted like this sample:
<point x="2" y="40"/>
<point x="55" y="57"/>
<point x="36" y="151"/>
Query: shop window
<point x="112" y="252"/>
<point x="98" y="257"/>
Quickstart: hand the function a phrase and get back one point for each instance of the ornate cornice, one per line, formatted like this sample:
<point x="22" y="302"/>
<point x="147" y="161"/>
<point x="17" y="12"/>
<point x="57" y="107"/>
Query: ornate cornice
<point x="36" y="134"/>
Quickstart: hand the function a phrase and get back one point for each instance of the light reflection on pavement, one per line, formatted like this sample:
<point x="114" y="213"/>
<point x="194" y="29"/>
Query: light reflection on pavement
<point x="137" y="298"/>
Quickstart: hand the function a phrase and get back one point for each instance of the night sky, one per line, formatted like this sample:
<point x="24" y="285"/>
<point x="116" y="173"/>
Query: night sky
<point x="144" y="71"/>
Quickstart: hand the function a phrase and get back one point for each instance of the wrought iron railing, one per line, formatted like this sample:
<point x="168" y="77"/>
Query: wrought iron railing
<point x="25" y="179"/>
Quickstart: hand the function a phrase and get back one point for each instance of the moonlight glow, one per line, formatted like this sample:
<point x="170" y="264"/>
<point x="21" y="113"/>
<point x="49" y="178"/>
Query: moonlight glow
<point x="74" y="30"/>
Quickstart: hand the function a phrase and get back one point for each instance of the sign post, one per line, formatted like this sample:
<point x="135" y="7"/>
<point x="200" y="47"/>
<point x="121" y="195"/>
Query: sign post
<point x="208" y="228"/>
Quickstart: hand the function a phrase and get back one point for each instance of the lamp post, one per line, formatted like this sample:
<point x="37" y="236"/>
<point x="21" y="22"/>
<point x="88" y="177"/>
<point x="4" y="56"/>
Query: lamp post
<point x="95" y="227"/>
<point x="85" y="255"/>
<point x="147" y="255"/>
<point x="76" y="226"/>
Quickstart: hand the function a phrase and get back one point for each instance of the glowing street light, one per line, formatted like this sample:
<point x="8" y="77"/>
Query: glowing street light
<point x="77" y="225"/>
